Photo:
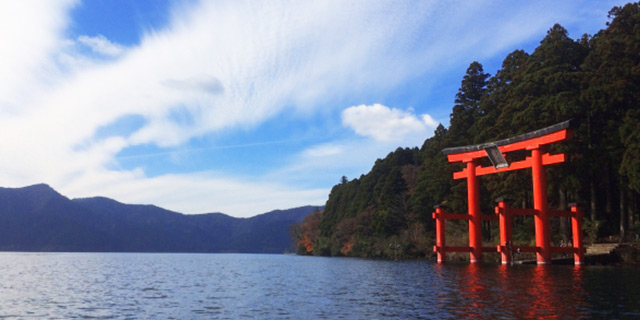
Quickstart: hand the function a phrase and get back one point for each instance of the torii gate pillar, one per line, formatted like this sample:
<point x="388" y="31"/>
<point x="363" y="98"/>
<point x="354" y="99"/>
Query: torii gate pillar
<point x="475" y="222"/>
<point x="541" y="218"/>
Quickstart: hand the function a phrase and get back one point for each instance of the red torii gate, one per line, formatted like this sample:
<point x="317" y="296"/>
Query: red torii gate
<point x="535" y="142"/>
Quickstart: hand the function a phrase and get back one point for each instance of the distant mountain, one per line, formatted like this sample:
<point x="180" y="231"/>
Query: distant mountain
<point x="37" y="218"/>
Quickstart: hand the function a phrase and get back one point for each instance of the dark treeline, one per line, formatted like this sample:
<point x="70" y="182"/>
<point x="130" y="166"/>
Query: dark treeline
<point x="594" y="80"/>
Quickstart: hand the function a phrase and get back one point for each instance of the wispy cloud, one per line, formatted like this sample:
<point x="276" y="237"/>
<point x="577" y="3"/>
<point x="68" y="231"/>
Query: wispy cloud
<point x="324" y="150"/>
<point x="219" y="67"/>
<point x="101" y="45"/>
<point x="208" y="84"/>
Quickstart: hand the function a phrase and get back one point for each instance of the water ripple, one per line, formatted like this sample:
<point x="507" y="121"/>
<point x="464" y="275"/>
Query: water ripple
<point x="200" y="286"/>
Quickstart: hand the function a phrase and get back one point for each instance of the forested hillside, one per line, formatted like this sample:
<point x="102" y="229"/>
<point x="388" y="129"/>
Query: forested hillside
<point x="594" y="80"/>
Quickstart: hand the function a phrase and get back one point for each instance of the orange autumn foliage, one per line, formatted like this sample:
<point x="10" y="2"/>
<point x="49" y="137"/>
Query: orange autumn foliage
<point x="346" y="248"/>
<point x="306" y="243"/>
<point x="307" y="232"/>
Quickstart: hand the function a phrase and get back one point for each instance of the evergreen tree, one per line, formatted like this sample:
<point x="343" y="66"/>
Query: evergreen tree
<point x="467" y="104"/>
<point x="498" y="95"/>
<point x="612" y="89"/>
<point x="630" y="136"/>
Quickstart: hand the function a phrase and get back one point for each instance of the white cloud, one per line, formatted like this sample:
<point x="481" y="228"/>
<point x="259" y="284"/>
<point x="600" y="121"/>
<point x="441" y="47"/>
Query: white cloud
<point x="101" y="45"/>
<point x="386" y="124"/>
<point x="429" y="121"/>
<point x="223" y="66"/>
<point x="30" y="37"/>
<point x="217" y="67"/>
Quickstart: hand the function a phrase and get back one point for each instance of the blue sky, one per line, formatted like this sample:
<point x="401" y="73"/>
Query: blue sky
<point x="241" y="107"/>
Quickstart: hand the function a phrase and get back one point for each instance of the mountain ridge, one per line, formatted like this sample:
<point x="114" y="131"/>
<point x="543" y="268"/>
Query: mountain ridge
<point x="38" y="218"/>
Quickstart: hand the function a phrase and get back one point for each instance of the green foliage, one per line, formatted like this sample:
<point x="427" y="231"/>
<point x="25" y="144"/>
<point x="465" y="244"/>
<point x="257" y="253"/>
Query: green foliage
<point x="591" y="228"/>
<point x="594" y="80"/>
<point x="630" y="136"/>
<point x="466" y="110"/>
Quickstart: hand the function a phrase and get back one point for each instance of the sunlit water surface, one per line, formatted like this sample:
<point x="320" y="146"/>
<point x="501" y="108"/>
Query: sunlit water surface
<point x="193" y="286"/>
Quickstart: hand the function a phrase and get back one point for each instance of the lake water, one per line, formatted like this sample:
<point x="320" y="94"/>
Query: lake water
<point x="206" y="286"/>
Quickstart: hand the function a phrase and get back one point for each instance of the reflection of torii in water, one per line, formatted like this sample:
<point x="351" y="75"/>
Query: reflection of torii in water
<point x="535" y="142"/>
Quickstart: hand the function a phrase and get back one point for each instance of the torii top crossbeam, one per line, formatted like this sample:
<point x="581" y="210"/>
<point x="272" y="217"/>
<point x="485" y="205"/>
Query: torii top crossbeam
<point x="528" y="141"/>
